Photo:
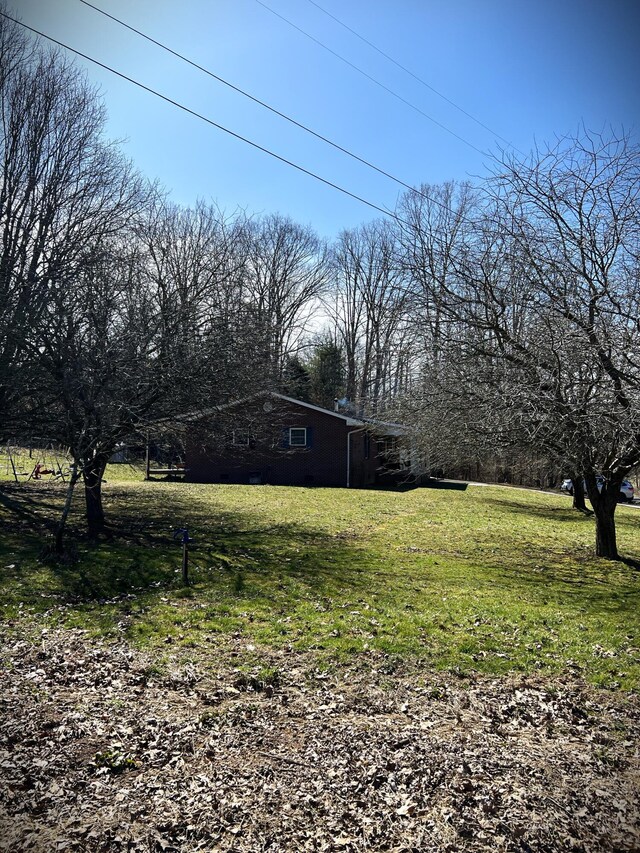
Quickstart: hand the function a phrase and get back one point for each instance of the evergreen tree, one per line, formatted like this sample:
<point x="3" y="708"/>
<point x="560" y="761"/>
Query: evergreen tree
<point x="327" y="373"/>
<point x="296" y="379"/>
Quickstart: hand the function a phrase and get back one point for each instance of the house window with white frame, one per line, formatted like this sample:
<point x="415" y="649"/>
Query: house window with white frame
<point x="297" y="436"/>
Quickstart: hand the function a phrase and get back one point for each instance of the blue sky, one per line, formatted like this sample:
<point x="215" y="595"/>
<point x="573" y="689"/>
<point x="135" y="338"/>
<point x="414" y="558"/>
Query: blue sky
<point x="529" y="70"/>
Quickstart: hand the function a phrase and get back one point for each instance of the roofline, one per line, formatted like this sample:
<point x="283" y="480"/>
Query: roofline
<point x="398" y="429"/>
<point x="349" y="421"/>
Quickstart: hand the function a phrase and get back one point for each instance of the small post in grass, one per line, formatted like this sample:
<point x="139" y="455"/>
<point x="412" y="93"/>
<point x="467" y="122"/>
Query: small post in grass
<point x="147" y="459"/>
<point x="183" y="533"/>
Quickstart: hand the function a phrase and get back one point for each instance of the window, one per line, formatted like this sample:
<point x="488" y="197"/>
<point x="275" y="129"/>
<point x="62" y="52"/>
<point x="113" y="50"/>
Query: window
<point x="241" y="438"/>
<point x="297" y="437"/>
<point x="387" y="446"/>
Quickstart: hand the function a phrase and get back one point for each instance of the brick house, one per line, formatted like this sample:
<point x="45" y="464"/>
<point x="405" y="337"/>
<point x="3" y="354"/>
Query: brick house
<point x="272" y="438"/>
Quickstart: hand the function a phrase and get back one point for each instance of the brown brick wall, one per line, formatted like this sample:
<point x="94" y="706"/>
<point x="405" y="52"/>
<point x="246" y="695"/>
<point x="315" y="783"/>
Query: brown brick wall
<point x="323" y="463"/>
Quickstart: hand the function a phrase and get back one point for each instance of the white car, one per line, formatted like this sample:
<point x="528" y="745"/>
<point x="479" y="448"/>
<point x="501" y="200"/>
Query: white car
<point x="626" y="488"/>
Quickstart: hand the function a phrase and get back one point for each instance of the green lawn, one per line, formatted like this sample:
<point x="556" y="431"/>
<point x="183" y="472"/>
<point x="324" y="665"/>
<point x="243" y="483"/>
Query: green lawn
<point x="488" y="579"/>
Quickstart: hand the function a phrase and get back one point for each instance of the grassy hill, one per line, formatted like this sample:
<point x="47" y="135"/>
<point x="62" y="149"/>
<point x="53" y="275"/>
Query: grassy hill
<point x="489" y="579"/>
<point x="352" y="670"/>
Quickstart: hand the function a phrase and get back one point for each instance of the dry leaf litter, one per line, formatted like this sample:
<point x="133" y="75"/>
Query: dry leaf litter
<point x="101" y="750"/>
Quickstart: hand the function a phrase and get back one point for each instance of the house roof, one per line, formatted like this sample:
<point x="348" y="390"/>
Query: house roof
<point x="390" y="428"/>
<point x="349" y="420"/>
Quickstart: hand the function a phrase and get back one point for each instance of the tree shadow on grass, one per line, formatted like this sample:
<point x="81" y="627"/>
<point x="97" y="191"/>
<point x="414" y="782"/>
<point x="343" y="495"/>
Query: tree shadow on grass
<point x="572" y="587"/>
<point x="563" y="513"/>
<point x="239" y="556"/>
<point x="28" y="507"/>
<point x="411" y="485"/>
<point x="322" y="562"/>
<point x="451" y="485"/>
<point x="392" y="486"/>
<point x="141" y="556"/>
<point x="567" y="514"/>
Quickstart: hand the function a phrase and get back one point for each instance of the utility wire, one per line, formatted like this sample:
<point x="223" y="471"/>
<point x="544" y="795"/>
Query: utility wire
<point x="207" y="120"/>
<point x="369" y="77"/>
<point x="253" y="98"/>
<point x="412" y="189"/>
<point x="411" y="73"/>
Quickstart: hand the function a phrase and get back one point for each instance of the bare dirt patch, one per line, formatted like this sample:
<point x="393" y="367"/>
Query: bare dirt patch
<point x="102" y="750"/>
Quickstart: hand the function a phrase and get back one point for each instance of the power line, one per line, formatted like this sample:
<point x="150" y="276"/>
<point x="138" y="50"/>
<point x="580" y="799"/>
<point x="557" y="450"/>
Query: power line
<point x="411" y="73"/>
<point x="369" y="77"/>
<point x="253" y="98"/>
<point x="207" y="120"/>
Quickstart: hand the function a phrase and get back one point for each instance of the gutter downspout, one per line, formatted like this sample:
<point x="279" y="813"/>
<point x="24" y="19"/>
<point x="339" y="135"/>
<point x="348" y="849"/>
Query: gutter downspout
<point x="349" y="434"/>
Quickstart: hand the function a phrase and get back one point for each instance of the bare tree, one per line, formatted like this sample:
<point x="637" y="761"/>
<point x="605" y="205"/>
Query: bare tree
<point x="434" y="223"/>
<point x="573" y="217"/>
<point x="542" y="304"/>
<point x="99" y="367"/>
<point x="368" y="310"/>
<point x="286" y="271"/>
<point x="196" y="263"/>
<point x="61" y="188"/>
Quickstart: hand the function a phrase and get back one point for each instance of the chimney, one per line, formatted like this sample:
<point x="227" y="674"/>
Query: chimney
<point x="336" y="406"/>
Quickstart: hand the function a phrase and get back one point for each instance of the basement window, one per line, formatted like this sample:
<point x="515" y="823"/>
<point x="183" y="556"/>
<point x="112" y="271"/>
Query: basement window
<point x="297" y="437"/>
<point x="241" y="438"/>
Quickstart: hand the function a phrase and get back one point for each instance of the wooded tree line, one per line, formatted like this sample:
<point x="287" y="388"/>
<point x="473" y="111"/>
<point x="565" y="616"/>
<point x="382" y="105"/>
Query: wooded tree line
<point x="499" y="320"/>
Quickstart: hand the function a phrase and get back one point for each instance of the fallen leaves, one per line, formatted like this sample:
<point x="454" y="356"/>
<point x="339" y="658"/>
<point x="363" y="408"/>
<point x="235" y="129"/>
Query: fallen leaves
<point x="101" y="749"/>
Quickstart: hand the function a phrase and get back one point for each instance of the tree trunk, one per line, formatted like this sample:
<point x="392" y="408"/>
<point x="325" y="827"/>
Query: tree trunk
<point x="604" y="505"/>
<point x="62" y="523"/>
<point x="92" y="475"/>
<point x="606" y="545"/>
<point x="578" y="492"/>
